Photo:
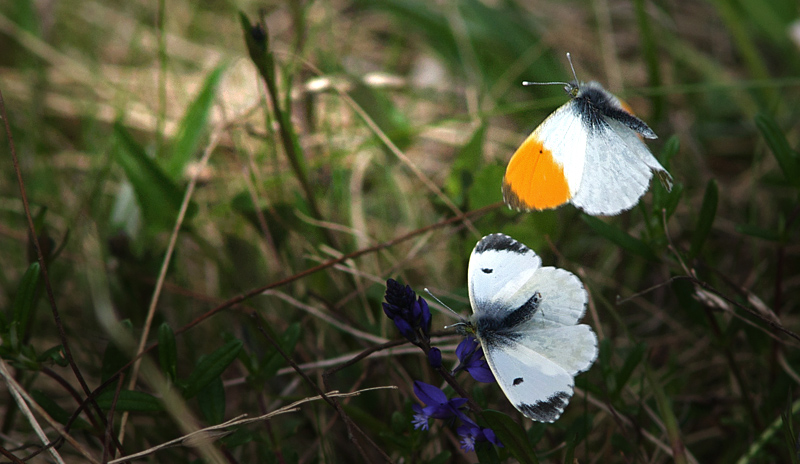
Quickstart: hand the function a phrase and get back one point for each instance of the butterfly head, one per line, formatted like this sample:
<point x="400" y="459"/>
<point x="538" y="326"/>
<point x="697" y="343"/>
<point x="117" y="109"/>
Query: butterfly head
<point x="463" y="327"/>
<point x="572" y="88"/>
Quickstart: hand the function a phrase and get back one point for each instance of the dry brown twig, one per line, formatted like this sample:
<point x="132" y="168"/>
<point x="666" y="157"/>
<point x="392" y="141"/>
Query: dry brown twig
<point x="218" y="431"/>
<point x="23" y="399"/>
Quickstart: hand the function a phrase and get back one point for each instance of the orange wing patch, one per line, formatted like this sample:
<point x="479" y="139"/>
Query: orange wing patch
<point x="626" y="107"/>
<point x="534" y="180"/>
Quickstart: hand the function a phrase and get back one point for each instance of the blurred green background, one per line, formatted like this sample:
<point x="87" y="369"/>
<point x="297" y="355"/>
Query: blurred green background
<point x="379" y="119"/>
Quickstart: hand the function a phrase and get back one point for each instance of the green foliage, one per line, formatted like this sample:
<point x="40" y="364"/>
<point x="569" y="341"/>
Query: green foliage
<point x="167" y="352"/>
<point x="211" y="401"/>
<point x="384" y="112"/>
<point x="619" y="237"/>
<point x="667" y="415"/>
<point x="193" y="126"/>
<point x="158" y="196"/>
<point x="114" y="358"/>
<point x="705" y="219"/>
<point x="56" y="411"/>
<point x="467" y="163"/>
<point x="131" y="401"/>
<point x="512" y="435"/>
<point x="789" y="436"/>
<point x="211" y="367"/>
<point x="25" y="302"/>
<point x="485" y="188"/>
<point x="786" y="157"/>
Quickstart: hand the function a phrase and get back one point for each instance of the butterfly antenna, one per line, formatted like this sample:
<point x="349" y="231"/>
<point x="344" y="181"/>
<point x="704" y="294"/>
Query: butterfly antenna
<point x="544" y="83"/>
<point x="442" y="303"/>
<point x="574" y="74"/>
<point x="569" y="87"/>
<point x="460" y="326"/>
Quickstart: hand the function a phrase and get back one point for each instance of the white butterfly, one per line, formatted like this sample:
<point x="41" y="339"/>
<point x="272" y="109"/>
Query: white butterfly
<point x="525" y="317"/>
<point x="587" y="152"/>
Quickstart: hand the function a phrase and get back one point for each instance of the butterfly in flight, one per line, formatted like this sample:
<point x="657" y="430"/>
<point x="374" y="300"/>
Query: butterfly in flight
<point x="588" y="152"/>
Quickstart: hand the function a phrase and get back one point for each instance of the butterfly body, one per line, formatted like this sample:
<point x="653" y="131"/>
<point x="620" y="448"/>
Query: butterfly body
<point x="588" y="152"/>
<point x="525" y="317"/>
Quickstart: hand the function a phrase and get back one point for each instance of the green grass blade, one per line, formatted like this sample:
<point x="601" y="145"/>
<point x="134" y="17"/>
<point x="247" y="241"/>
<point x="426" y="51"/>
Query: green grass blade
<point x="133" y="401"/>
<point x="288" y="340"/>
<point x="661" y="197"/>
<point x="619" y="237"/>
<point x="211" y="400"/>
<point x="25" y="300"/>
<point x="468" y="160"/>
<point x="741" y="34"/>
<point x="485" y="189"/>
<point x="113" y="357"/>
<point x="671" y="148"/>
<point x="759" y="232"/>
<point x="46" y="402"/>
<point x="511" y="434"/>
<point x="486" y="453"/>
<point x="193" y="126"/>
<point x="668" y="416"/>
<point x="158" y="196"/>
<point x="650" y="52"/>
<point x="790" y="437"/>
<point x="167" y="351"/>
<point x="768" y="17"/>
<point x="576" y="433"/>
<point x="705" y="220"/>
<point x="624" y="374"/>
<point x="54" y="355"/>
<point x="211" y="367"/>
<point x="673" y="199"/>
<point x="484" y="49"/>
<point x="381" y="109"/>
<point x="767" y="434"/>
<point x="787" y="158"/>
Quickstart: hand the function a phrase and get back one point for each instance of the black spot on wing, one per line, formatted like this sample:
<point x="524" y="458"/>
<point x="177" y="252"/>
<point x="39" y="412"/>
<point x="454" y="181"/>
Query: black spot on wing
<point x="486" y="270"/>
<point x="500" y="242"/>
<point x="518" y="381"/>
<point x="548" y="410"/>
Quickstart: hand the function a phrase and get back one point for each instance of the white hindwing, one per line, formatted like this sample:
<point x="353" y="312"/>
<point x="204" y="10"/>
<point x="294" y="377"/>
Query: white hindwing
<point x="537" y="373"/>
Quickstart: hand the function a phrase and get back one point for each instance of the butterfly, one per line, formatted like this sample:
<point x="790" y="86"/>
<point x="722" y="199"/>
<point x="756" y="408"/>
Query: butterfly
<point x="525" y="317"/>
<point x="588" y="152"/>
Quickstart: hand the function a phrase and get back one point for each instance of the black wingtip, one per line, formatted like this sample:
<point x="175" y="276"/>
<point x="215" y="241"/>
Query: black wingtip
<point x="548" y="410"/>
<point x="500" y="242"/>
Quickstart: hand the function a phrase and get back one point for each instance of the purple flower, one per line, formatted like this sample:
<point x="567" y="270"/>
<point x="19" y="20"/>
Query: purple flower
<point x="471" y="434"/>
<point x="410" y="314"/>
<point x="470" y="358"/>
<point x="437" y="406"/>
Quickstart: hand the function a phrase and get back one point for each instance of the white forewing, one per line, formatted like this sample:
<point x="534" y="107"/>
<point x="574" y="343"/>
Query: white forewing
<point x="498" y="267"/>
<point x="562" y="133"/>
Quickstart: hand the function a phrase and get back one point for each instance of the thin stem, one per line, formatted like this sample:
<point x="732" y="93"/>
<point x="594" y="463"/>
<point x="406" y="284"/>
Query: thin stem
<point x="43" y="264"/>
